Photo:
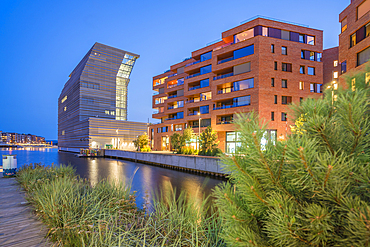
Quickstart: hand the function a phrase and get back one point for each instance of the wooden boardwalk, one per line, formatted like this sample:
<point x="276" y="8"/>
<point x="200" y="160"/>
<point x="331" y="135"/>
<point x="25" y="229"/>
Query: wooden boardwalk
<point x="18" y="225"/>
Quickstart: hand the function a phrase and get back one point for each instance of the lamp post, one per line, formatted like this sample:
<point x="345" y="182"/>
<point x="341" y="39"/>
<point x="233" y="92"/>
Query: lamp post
<point x="117" y="139"/>
<point x="199" y="130"/>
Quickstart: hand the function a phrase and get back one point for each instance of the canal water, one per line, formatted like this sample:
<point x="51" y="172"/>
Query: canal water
<point x="145" y="179"/>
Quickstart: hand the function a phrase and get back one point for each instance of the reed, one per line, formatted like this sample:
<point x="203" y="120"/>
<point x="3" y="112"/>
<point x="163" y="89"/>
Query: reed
<point x="106" y="214"/>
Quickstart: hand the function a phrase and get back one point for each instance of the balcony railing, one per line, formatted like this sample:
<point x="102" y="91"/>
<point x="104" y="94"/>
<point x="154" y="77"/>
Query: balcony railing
<point x="229" y="106"/>
<point x="155" y="111"/>
<point x="193" y="88"/>
<point x="155" y="93"/>
<point x="223" y="46"/>
<point x="225" y="60"/>
<point x="226" y="90"/>
<point x="223" y="76"/>
<point x="193" y="75"/>
<point x="189" y="64"/>
<point x="173" y="118"/>
<point x="193" y="113"/>
<point x="175" y="85"/>
<point x="224" y="122"/>
<point x="172" y="75"/>
<point x="172" y="96"/>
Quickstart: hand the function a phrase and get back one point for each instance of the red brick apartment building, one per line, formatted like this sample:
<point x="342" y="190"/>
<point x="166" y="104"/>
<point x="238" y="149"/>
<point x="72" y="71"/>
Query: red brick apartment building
<point x="261" y="65"/>
<point x="354" y="45"/>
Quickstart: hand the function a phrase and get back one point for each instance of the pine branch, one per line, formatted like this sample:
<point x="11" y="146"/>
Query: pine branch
<point x="330" y="167"/>
<point x="305" y="164"/>
<point x="258" y="196"/>
<point x="325" y="139"/>
<point x="282" y="162"/>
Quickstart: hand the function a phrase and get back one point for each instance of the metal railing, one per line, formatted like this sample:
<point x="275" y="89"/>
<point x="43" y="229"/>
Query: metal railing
<point x="189" y="64"/>
<point x="172" y="75"/>
<point x="193" y="75"/>
<point x="223" y="76"/>
<point x="229" y="106"/>
<point x="226" y="60"/>
<point x="172" y="96"/>
<point x="223" y="46"/>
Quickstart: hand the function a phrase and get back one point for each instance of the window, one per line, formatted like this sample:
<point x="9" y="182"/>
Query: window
<point x="204" y="83"/>
<point x="301" y="85"/>
<point x="206" y="69"/>
<point x="232" y="142"/>
<point x="275" y="65"/>
<point x="64" y="99"/>
<point x="310" y="40"/>
<point x="161" y="90"/>
<point x="63" y="132"/>
<point x="65" y="108"/>
<point x="367" y="78"/>
<point x="353" y="82"/>
<point x="204" y="109"/>
<point x="90" y="85"/>
<point x="180" y="81"/>
<point x="286" y="100"/>
<point x="300" y="99"/>
<point x="206" y="56"/>
<point x="265" y="31"/>
<point x="367" y="30"/>
<point x="312" y="56"/>
<point x="86" y="100"/>
<point x="283" y="116"/>
<point x="178" y="127"/>
<point x="335" y="63"/>
<point x="343" y="66"/>
<point x="275" y="99"/>
<point x="311" y="70"/>
<point x="301" y="69"/>
<point x="363" y="56"/>
<point x="165" y="129"/>
<point x="352" y="40"/>
<point x="302" y="54"/>
<point x="315" y="88"/>
<point x="159" y="130"/>
<point x="244" y="84"/>
<point x="301" y="38"/>
<point x="241" y="101"/>
<point x="272" y="48"/>
<point x="272" y="116"/>
<point x="335" y="75"/>
<point x="272" y="82"/>
<point x="244" y="35"/>
<point x="284" y="83"/>
<point x="243" y="52"/>
<point x="363" y="8"/>
<point x="284" y="50"/>
<point x="286" y="67"/>
<point x="285" y="35"/>
<point x="318" y="56"/>
<point x="205" y="122"/>
<point x="344" y="24"/>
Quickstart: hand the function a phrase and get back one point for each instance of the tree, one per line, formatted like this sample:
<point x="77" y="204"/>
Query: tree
<point x="187" y="135"/>
<point x="310" y="190"/>
<point x="176" y="142"/>
<point x="208" y="142"/>
<point x="142" y="142"/>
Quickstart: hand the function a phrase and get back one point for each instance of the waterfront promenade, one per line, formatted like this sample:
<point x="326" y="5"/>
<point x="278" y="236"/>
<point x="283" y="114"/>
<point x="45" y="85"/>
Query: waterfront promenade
<point x="18" y="225"/>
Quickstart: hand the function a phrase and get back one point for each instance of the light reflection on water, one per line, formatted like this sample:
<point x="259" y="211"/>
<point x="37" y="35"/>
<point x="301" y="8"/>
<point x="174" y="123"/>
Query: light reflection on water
<point x="146" y="179"/>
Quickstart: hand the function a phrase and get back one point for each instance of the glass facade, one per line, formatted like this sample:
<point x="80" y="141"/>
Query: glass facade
<point x="243" y="52"/>
<point x="206" y="56"/>
<point x="122" y="81"/>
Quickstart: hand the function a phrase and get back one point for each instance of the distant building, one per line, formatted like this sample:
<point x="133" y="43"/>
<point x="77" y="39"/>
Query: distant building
<point x="92" y="107"/>
<point x="354" y="45"/>
<point x="18" y="138"/>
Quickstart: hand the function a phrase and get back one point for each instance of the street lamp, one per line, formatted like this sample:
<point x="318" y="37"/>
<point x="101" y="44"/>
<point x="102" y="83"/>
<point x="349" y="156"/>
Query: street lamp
<point x="199" y="130"/>
<point x="117" y="139"/>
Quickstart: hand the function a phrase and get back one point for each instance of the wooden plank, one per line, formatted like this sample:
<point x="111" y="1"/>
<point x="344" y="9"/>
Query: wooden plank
<point x="19" y="226"/>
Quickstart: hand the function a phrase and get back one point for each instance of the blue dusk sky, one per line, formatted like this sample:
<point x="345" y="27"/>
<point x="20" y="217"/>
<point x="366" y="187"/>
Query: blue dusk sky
<point x="42" y="41"/>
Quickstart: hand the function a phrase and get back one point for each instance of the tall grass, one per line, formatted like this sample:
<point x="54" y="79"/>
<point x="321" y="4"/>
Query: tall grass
<point x="107" y="215"/>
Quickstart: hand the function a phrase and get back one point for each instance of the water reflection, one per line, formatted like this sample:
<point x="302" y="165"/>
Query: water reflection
<point x="146" y="179"/>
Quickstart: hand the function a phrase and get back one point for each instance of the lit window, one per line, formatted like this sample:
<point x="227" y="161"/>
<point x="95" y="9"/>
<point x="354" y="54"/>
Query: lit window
<point x="244" y="35"/>
<point x="301" y="85"/>
<point x="344" y="24"/>
<point x="367" y="77"/>
<point x="63" y="132"/>
<point x="65" y="108"/>
<point x="335" y="63"/>
<point x="64" y="99"/>
<point x="353" y="84"/>
<point x="310" y="40"/>
<point x="264" y="31"/>
<point x="335" y="75"/>
<point x="353" y="40"/>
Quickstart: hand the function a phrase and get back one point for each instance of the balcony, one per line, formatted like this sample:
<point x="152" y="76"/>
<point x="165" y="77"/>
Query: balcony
<point x="193" y="75"/>
<point x="223" y="76"/>
<point x="225" y="60"/>
<point x="172" y="96"/>
<point x="175" y="85"/>
<point x="193" y="113"/>
<point x="224" y="122"/>
<point x="229" y="106"/>
<point x="194" y="88"/>
<point x="173" y="118"/>
<point x="189" y="64"/>
<point x="172" y="75"/>
<point x="226" y="90"/>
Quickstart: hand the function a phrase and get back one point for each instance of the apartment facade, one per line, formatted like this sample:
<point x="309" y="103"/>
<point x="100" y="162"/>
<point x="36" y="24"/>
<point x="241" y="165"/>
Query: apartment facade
<point x="92" y="107"/>
<point x="261" y="65"/>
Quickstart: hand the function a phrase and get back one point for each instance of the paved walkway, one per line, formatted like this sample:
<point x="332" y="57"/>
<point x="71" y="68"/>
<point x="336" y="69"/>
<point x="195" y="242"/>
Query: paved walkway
<point x="18" y="225"/>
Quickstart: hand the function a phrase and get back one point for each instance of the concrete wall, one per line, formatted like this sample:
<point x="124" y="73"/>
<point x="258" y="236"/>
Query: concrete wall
<point x="195" y="163"/>
<point x="73" y="150"/>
